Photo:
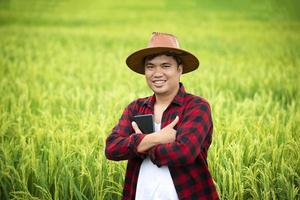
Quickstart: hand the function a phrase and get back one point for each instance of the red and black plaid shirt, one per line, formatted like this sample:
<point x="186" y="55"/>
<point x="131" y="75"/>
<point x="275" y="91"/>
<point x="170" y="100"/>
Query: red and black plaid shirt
<point x="186" y="157"/>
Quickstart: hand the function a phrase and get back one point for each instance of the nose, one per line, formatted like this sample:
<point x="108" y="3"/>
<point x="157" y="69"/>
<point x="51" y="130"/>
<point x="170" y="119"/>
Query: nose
<point x="157" y="72"/>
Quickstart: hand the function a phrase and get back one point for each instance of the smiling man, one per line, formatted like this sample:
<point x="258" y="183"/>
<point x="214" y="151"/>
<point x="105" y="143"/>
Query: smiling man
<point x="171" y="162"/>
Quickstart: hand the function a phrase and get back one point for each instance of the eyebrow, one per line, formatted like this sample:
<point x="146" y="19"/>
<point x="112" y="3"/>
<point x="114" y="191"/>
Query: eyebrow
<point x="149" y="63"/>
<point x="165" y="63"/>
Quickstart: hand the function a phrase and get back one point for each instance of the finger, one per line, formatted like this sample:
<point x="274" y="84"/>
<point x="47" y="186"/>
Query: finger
<point x="174" y="122"/>
<point x="135" y="127"/>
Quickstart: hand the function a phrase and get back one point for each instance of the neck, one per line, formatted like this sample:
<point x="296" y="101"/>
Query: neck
<point x="166" y="99"/>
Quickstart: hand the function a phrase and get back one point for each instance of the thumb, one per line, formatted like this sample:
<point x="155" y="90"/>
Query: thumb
<point x="135" y="127"/>
<point x="174" y="122"/>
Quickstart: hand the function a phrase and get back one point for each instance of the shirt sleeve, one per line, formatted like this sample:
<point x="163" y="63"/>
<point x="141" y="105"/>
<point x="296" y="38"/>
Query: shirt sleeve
<point x="122" y="143"/>
<point x="192" y="131"/>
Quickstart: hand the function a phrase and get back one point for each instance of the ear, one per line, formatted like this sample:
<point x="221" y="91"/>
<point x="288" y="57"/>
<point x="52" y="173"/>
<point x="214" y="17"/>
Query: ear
<point x="180" y="69"/>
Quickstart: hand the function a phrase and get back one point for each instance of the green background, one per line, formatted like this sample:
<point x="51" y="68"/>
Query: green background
<point x="64" y="84"/>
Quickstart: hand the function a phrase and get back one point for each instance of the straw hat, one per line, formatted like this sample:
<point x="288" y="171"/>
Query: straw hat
<point x="162" y="43"/>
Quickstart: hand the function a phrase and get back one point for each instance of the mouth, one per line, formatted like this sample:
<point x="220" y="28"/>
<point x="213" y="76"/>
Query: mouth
<point x="158" y="83"/>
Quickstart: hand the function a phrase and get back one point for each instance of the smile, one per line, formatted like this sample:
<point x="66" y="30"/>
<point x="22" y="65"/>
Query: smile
<point x="159" y="81"/>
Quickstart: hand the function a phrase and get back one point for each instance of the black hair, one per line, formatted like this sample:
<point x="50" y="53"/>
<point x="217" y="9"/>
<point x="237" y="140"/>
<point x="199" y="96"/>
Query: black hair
<point x="167" y="53"/>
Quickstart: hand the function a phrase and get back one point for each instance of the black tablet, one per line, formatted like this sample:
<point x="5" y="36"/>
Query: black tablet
<point x="145" y="123"/>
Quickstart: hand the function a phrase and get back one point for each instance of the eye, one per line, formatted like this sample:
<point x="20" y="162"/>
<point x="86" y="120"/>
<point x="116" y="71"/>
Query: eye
<point x="149" y="67"/>
<point x="166" y="66"/>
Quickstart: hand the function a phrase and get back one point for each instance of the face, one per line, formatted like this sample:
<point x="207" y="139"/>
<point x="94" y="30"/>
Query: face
<point x="163" y="74"/>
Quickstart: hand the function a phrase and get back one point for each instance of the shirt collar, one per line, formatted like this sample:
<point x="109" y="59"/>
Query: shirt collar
<point x="178" y="99"/>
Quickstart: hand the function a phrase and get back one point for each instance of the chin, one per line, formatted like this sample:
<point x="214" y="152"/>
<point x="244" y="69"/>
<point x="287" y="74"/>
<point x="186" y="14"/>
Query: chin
<point x="159" y="91"/>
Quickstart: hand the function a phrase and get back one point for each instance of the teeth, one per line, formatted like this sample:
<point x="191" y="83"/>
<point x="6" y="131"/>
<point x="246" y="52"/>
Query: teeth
<point x="158" y="81"/>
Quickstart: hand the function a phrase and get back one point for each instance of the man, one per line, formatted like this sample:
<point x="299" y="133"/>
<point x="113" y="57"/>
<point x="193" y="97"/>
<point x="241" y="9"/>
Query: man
<point x="171" y="162"/>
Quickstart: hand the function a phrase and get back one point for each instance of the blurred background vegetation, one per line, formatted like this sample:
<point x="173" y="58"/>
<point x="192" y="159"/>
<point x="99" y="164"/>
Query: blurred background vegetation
<point x="64" y="84"/>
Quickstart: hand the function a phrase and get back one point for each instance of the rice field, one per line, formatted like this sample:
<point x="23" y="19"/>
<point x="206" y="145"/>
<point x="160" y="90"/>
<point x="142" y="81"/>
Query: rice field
<point x="64" y="84"/>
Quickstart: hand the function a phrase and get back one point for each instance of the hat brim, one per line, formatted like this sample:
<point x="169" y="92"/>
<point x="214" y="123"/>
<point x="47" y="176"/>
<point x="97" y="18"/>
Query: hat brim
<point x="135" y="61"/>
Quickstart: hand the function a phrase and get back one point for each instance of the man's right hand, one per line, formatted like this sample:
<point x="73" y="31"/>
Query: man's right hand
<point x="168" y="133"/>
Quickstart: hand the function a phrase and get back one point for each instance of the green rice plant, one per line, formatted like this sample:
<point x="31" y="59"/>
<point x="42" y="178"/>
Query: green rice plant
<point x="64" y="84"/>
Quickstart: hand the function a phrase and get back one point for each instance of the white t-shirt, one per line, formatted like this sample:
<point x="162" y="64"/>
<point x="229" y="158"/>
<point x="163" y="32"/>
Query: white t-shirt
<point x="155" y="182"/>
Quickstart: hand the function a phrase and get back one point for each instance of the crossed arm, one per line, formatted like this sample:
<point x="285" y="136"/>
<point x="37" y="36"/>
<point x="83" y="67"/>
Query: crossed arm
<point x="164" y="136"/>
<point x="167" y="146"/>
